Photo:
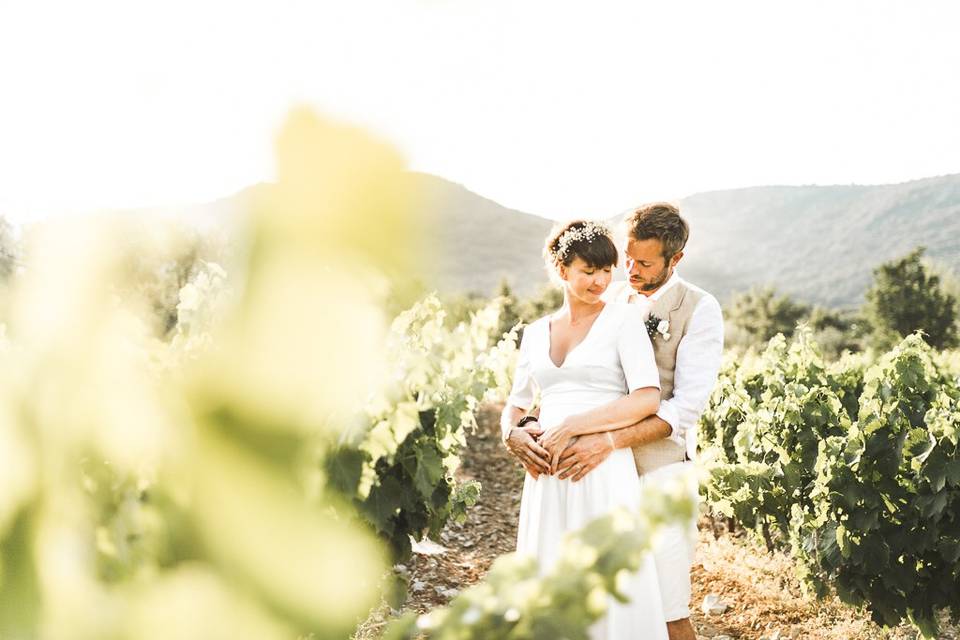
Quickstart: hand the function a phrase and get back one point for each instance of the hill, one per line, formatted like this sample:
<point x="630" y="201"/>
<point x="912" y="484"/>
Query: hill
<point x="478" y="243"/>
<point x="820" y="244"/>
<point x="817" y="243"/>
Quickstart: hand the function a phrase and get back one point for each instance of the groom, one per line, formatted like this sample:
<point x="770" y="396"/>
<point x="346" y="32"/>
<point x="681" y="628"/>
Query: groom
<point x="688" y="351"/>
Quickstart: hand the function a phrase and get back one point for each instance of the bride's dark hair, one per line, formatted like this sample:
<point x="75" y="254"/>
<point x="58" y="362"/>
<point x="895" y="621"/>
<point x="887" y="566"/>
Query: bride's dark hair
<point x="590" y="241"/>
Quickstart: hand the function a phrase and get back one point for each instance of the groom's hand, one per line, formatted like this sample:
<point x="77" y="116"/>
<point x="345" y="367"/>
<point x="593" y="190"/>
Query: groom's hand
<point x="584" y="454"/>
<point x="521" y="442"/>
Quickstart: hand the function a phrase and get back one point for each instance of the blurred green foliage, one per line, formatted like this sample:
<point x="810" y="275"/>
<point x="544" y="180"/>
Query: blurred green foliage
<point x="754" y="317"/>
<point x="516" y="602"/>
<point x="514" y="309"/>
<point x="906" y="297"/>
<point x="160" y="415"/>
<point x="10" y="250"/>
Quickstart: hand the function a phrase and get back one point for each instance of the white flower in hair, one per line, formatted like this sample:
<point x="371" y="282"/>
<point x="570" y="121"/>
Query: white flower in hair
<point x="588" y="231"/>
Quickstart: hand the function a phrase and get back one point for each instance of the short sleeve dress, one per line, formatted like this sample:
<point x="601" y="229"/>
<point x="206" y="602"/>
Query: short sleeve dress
<point x="614" y="358"/>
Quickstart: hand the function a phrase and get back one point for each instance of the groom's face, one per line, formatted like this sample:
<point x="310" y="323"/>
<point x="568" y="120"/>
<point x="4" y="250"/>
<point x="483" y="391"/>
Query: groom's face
<point x="646" y="266"/>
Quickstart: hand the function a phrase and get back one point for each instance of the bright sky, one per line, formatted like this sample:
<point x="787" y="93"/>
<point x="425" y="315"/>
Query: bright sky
<point x="556" y="108"/>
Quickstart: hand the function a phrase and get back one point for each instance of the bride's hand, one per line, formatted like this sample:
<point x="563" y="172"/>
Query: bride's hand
<point x="555" y="441"/>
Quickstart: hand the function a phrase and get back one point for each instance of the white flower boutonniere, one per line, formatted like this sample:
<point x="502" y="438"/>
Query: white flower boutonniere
<point x="657" y="326"/>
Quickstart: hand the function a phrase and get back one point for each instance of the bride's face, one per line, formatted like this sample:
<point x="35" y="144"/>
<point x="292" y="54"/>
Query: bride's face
<point x="584" y="282"/>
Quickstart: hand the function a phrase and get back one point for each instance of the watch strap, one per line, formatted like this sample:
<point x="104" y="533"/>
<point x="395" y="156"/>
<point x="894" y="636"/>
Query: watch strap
<point x="525" y="419"/>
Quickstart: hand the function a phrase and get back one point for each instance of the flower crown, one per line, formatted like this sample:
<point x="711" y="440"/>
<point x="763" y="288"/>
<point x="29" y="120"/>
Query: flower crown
<point x="588" y="231"/>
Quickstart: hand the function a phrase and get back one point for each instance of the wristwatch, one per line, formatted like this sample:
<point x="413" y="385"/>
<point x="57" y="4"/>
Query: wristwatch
<point x="525" y="419"/>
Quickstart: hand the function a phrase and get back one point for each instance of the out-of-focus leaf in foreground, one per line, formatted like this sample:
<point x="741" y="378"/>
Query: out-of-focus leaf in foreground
<point x="153" y="480"/>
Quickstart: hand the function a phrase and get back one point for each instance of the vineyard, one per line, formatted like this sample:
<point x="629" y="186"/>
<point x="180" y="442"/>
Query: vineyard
<point x="263" y="466"/>
<point x="852" y="466"/>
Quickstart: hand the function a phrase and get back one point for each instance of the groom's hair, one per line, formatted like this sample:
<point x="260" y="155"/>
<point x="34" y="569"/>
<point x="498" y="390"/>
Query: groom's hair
<point x="661" y="221"/>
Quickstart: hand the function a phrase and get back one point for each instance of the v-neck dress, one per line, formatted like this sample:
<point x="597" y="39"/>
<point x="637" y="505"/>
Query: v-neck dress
<point x="613" y="359"/>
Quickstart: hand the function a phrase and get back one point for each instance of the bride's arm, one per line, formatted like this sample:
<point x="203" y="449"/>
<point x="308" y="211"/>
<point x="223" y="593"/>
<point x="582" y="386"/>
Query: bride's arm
<point x="510" y="416"/>
<point x="521" y="441"/>
<point x="615" y="415"/>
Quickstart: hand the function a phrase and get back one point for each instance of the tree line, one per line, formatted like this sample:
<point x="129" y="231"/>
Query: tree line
<point x="908" y="294"/>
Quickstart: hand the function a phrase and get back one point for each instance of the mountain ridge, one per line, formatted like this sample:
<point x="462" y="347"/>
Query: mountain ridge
<point x="818" y="243"/>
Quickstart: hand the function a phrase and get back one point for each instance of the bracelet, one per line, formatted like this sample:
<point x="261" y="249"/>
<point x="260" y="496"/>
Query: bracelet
<point x="525" y="419"/>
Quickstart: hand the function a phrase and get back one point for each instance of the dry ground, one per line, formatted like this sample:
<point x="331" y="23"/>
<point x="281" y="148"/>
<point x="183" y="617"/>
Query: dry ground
<point x="765" y="598"/>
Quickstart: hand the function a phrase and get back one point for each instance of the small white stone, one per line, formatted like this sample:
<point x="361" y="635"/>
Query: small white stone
<point x="445" y="592"/>
<point x="712" y="605"/>
<point x="427" y="547"/>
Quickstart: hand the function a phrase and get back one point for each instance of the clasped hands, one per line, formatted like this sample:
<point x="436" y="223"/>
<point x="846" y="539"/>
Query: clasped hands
<point x="558" y="450"/>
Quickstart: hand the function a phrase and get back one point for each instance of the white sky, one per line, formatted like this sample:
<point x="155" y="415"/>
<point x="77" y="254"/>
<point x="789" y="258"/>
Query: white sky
<point x="556" y="108"/>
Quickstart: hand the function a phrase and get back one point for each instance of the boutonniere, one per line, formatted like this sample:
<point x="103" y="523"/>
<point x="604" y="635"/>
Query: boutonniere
<point x="657" y="326"/>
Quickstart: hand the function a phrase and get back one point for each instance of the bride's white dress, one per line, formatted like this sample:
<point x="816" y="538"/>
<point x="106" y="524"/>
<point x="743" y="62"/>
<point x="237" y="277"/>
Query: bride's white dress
<point x="613" y="359"/>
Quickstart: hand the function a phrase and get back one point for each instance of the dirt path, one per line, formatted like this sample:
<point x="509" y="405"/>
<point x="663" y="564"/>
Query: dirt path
<point x="489" y="531"/>
<point x="765" y="599"/>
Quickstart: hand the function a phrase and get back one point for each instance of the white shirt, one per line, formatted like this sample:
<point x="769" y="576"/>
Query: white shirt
<point x="699" y="356"/>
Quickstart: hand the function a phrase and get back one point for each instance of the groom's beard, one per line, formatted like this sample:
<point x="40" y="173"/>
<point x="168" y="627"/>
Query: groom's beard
<point x="656" y="283"/>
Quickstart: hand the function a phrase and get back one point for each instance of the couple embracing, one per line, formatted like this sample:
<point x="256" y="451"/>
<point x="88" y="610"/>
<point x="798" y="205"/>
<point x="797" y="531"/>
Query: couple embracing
<point x="623" y="373"/>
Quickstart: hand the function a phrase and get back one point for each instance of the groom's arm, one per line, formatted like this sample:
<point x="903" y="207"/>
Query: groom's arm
<point x="615" y="414"/>
<point x="699" y="356"/>
<point x="588" y="451"/>
<point x="643" y="432"/>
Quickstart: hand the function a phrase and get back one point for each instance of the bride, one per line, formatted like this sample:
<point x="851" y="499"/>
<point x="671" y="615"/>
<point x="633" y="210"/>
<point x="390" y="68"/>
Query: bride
<point x="594" y="367"/>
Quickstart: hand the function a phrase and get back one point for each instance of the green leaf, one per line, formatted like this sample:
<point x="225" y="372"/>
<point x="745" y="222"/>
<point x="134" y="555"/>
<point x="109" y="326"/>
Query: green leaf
<point x="384" y="503"/>
<point x="932" y="506"/>
<point x="842" y="541"/>
<point x="928" y="625"/>
<point x="344" y="467"/>
<point x="952" y="472"/>
<point x="429" y="470"/>
<point x="19" y="583"/>
<point x="949" y="550"/>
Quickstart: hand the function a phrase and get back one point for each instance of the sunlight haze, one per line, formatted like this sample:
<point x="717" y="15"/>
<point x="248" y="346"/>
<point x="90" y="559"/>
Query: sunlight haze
<point x="554" y="108"/>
